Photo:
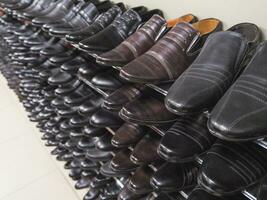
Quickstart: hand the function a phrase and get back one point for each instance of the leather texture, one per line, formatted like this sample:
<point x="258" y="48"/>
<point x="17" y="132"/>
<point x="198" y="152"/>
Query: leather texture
<point x="169" y="57"/>
<point x="229" y="168"/>
<point x="113" y="35"/>
<point x="200" y="87"/>
<point x="240" y="113"/>
<point x="188" y="138"/>
<point x="98" y="25"/>
<point x="137" y="44"/>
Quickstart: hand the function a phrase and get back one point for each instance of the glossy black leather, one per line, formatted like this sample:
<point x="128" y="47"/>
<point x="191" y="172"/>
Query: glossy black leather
<point x="172" y="176"/>
<point x="99" y="24"/>
<point x="229" y="168"/>
<point x="113" y="35"/>
<point x="83" y="18"/>
<point x="186" y="139"/>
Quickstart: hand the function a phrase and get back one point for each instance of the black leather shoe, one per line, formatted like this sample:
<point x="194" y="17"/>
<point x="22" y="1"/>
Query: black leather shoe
<point x="87" y="164"/>
<point x="98" y="155"/>
<point x="121" y="96"/>
<point x="83" y="19"/>
<point x="99" y="181"/>
<point x="110" y="192"/>
<point x="83" y="183"/>
<point x="200" y="87"/>
<point x="99" y="24"/>
<point x="240" y="113"/>
<point x="106" y="170"/>
<point x="128" y="134"/>
<point x="104" y="143"/>
<point x="199" y="194"/>
<point x="92" y="194"/>
<point x="262" y="194"/>
<point x="107" y="80"/>
<point x="186" y="139"/>
<point x="104" y="118"/>
<point x="139" y="183"/>
<point x="121" y="162"/>
<point x="172" y="176"/>
<point x="59" y="11"/>
<point x="113" y="35"/>
<point x="229" y="168"/>
<point x="91" y="131"/>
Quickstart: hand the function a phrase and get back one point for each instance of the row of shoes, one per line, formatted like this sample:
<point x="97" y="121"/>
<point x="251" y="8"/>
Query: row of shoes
<point x="81" y="70"/>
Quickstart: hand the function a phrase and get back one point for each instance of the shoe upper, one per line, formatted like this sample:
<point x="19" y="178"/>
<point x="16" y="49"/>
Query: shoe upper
<point x="99" y="24"/>
<point x="114" y="34"/>
<point x="240" y="114"/>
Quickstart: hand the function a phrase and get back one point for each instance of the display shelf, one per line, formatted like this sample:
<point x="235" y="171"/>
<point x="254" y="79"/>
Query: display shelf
<point x="98" y="90"/>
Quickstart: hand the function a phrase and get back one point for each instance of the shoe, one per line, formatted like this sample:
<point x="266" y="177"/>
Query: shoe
<point x="105" y="118"/>
<point x="121" y="96"/>
<point x="92" y="194"/>
<point x="135" y="45"/>
<point x="83" y="183"/>
<point x="188" y="138"/>
<point x="171" y="55"/>
<point x="127" y="194"/>
<point x="210" y="75"/>
<point x="112" y="35"/>
<point x="121" y="162"/>
<point x="138" y="43"/>
<point x="84" y="18"/>
<point x="107" y="80"/>
<point x="60" y="10"/>
<point x="128" y="134"/>
<point x="106" y="170"/>
<point x="110" y="192"/>
<point x="91" y="106"/>
<point x="145" y="111"/>
<point x="98" y="25"/>
<point x="99" y="181"/>
<point x="66" y="18"/>
<point x="173" y="177"/>
<point x="145" y="152"/>
<point x="262" y="194"/>
<point x="229" y="168"/>
<point x="91" y="131"/>
<point x="87" y="164"/>
<point x="239" y="114"/>
<point x="139" y="183"/>
<point x="98" y="155"/>
<point x="200" y="194"/>
<point x="104" y="143"/>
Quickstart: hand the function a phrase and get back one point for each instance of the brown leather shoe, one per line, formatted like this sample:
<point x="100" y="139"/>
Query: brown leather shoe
<point x="128" y="134"/>
<point x="145" y="152"/>
<point x="146" y="110"/>
<point x="140" y="42"/>
<point x="172" y="54"/>
<point x="135" y="45"/>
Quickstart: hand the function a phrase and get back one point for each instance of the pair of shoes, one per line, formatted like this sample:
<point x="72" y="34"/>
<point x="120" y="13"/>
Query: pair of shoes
<point x="162" y="55"/>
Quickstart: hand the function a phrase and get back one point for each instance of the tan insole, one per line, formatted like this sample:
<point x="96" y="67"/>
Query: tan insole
<point x="206" y="26"/>
<point x="186" y="18"/>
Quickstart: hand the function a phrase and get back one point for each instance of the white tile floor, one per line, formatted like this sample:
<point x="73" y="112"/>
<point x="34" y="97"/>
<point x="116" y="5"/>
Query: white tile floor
<point x="27" y="171"/>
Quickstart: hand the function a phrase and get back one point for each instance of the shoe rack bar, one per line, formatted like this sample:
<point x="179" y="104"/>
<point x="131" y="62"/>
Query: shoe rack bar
<point x="99" y="91"/>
